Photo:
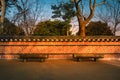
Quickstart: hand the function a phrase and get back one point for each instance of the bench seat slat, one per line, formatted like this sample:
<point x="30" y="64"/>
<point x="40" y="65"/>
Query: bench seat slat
<point x="33" y="56"/>
<point x="78" y="57"/>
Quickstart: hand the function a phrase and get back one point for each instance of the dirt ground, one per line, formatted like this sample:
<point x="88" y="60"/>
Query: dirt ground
<point x="58" y="70"/>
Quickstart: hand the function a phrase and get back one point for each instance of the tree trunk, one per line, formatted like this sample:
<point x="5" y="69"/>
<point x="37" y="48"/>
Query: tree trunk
<point x="82" y="30"/>
<point x="80" y="19"/>
<point x="81" y="27"/>
<point x="115" y="29"/>
<point x="2" y="13"/>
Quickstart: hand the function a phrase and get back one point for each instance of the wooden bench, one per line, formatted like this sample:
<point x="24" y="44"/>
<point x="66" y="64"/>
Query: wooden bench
<point x="40" y="57"/>
<point x="94" y="57"/>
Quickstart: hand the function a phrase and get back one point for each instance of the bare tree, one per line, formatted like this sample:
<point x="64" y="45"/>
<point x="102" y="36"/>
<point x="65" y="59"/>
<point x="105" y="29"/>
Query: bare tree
<point x="21" y="15"/>
<point x="115" y="14"/>
<point x="110" y="13"/>
<point x="28" y="14"/>
<point x="103" y="14"/>
<point x="35" y="15"/>
<point x="82" y="20"/>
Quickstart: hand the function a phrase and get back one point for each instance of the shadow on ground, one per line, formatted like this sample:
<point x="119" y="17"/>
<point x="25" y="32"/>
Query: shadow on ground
<point x="58" y="70"/>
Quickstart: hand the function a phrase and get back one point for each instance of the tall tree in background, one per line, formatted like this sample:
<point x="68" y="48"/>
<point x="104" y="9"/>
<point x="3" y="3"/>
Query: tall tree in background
<point x="111" y="14"/>
<point x="64" y="11"/>
<point x="67" y="10"/>
<point x="52" y="28"/>
<point x="114" y="7"/>
<point x="3" y="5"/>
<point x="98" y="29"/>
<point x="82" y="20"/>
<point x="11" y="29"/>
<point x="22" y="9"/>
<point x="28" y="13"/>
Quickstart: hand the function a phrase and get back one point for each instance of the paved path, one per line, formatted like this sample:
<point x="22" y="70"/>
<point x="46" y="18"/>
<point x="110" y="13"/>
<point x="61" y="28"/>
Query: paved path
<point x="58" y="70"/>
<point x="113" y="62"/>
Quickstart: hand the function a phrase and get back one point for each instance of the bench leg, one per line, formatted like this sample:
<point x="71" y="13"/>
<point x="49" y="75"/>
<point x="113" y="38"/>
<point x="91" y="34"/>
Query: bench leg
<point x="24" y="60"/>
<point x="78" y="59"/>
<point x="95" y="59"/>
<point x="42" y="60"/>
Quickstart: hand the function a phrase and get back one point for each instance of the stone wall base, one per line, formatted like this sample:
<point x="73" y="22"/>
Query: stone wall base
<point x="106" y="57"/>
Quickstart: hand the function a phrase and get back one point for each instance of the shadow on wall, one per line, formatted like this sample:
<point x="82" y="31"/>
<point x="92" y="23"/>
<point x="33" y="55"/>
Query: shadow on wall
<point x="12" y="52"/>
<point x="112" y="56"/>
<point x="117" y="55"/>
<point x="2" y="49"/>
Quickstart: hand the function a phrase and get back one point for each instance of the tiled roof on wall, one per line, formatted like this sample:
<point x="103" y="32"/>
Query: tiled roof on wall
<point x="61" y="39"/>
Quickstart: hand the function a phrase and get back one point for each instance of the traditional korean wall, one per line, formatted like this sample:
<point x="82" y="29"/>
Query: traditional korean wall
<point x="60" y="47"/>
